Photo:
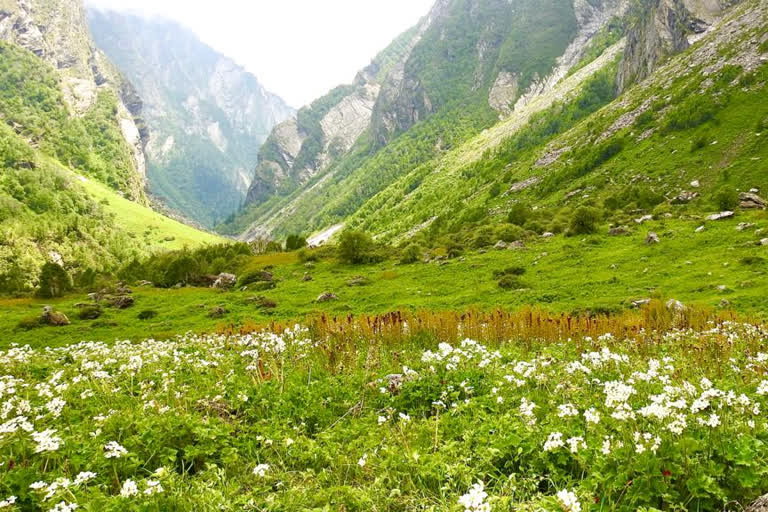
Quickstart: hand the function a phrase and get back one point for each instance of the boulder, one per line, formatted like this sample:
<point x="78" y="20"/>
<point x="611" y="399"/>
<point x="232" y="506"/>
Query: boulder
<point x="144" y="284"/>
<point x="695" y="183"/>
<point x="699" y="229"/>
<point x="743" y="226"/>
<point x="515" y="246"/>
<point x="548" y="234"/>
<point x="121" y="301"/>
<point x="676" y="305"/>
<point x="217" y="312"/>
<point x="306" y="277"/>
<point x="500" y="245"/>
<point x="327" y="297"/>
<point x="644" y="219"/>
<point x="618" y="231"/>
<point x="224" y="281"/>
<point x="721" y="216"/>
<point x="652" y="238"/>
<point x="54" y="318"/>
<point x="764" y="241"/>
<point x="685" y="197"/>
<point x="358" y="281"/>
<point x="640" y="303"/>
<point x="751" y="201"/>
<point x="759" y="505"/>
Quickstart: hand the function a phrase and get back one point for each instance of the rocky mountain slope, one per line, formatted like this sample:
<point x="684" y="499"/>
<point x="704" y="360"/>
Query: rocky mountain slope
<point x="207" y="115"/>
<point x="471" y="102"/>
<point x="465" y="64"/>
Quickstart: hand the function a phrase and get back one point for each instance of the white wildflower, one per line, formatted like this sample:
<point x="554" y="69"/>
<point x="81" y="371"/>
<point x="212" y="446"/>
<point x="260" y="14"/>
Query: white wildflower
<point x="568" y="501"/>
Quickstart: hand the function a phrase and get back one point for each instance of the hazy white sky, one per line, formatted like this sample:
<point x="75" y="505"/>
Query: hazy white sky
<point x="298" y="49"/>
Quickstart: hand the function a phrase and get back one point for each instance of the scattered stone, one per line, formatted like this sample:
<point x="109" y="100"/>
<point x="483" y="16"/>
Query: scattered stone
<point x="640" y="303"/>
<point x="751" y="201"/>
<point x="224" y="281"/>
<point x="123" y="290"/>
<point x="500" y="245"/>
<point x="144" y="284"/>
<point x="764" y="241"/>
<point x="644" y="219"/>
<point x="121" y="301"/>
<point x="95" y="297"/>
<point x="89" y="311"/>
<point x="759" y="505"/>
<point x="179" y="286"/>
<point x="306" y="277"/>
<point x="618" y="231"/>
<point x="743" y="226"/>
<point x="327" y="297"/>
<point x="652" y="238"/>
<point x="685" y="197"/>
<point x="217" y="312"/>
<point x="522" y="185"/>
<point x="358" y="281"/>
<point x="695" y="183"/>
<point x="54" y="318"/>
<point x="547" y="235"/>
<point x="676" y="305"/>
<point x="725" y="303"/>
<point x="699" y="229"/>
<point x="517" y="245"/>
<point x="721" y="215"/>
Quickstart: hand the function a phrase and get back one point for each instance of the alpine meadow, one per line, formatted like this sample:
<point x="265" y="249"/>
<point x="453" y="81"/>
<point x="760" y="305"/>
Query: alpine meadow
<point x="518" y="263"/>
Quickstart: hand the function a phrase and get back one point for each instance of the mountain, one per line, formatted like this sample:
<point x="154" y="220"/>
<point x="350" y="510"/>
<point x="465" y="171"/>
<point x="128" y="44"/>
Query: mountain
<point x="208" y="116"/>
<point x="56" y="32"/>
<point x="477" y="90"/>
<point x="71" y="153"/>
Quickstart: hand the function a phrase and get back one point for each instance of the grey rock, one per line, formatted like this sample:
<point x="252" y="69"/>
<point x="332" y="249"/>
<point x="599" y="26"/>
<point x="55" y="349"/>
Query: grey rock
<point x="306" y="277"/>
<point x="327" y="297"/>
<point x="500" y="245"/>
<point x="676" y="305"/>
<point x="547" y="235"/>
<point x="54" y="318"/>
<point x="144" y="284"/>
<point x="652" y="238"/>
<point x="358" y="281"/>
<point x="721" y="216"/>
<point x="751" y="201"/>
<point x="743" y="226"/>
<point x="217" y="312"/>
<point x="516" y="245"/>
<point x="644" y="219"/>
<point x="640" y="303"/>
<point x="764" y="241"/>
<point x="618" y="231"/>
<point x="121" y="301"/>
<point x="685" y="197"/>
<point x="224" y="281"/>
<point x="759" y="505"/>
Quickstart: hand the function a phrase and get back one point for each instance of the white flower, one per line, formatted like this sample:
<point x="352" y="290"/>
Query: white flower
<point x="129" y="489"/>
<point x="382" y="419"/>
<point x="84" y="477"/>
<point x="289" y="442"/>
<point x="112" y="450"/>
<point x="261" y="470"/>
<point x="363" y="460"/>
<point x="568" y="501"/>
<point x="762" y="389"/>
<point x="474" y="500"/>
<point x="566" y="410"/>
<point x="713" y="421"/>
<point x="554" y="442"/>
<point x="404" y="417"/>
<point x="63" y="506"/>
<point x="7" y="502"/>
<point x="592" y="416"/>
<point x="574" y="443"/>
<point x="153" y="487"/>
<point x="36" y="486"/>
<point x="46" y="441"/>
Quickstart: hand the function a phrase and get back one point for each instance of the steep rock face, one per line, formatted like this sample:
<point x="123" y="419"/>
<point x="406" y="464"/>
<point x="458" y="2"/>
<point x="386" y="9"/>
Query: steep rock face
<point x="666" y="27"/>
<point x="208" y="116"/>
<point x="56" y="31"/>
<point x="449" y="77"/>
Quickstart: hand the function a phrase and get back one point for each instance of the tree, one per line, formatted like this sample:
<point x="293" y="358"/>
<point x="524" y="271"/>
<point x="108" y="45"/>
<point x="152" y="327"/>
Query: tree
<point x="355" y="247"/>
<point x="295" y="242"/>
<point x="54" y="281"/>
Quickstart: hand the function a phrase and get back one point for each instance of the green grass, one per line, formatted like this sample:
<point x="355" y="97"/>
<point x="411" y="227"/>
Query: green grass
<point x="594" y="273"/>
<point x="157" y="230"/>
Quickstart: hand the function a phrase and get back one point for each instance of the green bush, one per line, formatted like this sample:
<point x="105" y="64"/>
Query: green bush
<point x="726" y="198"/>
<point x="356" y="247"/>
<point x="509" y="271"/>
<point x="519" y="214"/>
<point x="510" y="233"/>
<point x="511" y="283"/>
<point x="54" y="281"/>
<point x="295" y="242"/>
<point x="306" y="255"/>
<point x="411" y="254"/>
<point x="147" y="314"/>
<point x="585" y="220"/>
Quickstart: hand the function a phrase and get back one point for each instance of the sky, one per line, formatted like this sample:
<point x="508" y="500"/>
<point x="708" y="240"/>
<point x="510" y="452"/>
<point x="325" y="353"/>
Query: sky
<point x="298" y="49"/>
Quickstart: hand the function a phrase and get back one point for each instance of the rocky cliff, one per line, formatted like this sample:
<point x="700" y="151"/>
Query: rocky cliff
<point x="207" y="115"/>
<point x="664" y="28"/>
<point x="56" y="31"/>
<point x="466" y="63"/>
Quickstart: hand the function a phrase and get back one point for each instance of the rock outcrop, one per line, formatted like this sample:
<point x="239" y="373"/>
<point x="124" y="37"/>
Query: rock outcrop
<point x="57" y="31"/>
<point x="666" y="27"/>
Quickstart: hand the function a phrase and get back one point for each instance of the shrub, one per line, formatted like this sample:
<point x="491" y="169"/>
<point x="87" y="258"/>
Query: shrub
<point x="585" y="220"/>
<point x="519" y="214"/>
<point x="54" y="281"/>
<point x="727" y="198"/>
<point x="411" y="254"/>
<point x="147" y="314"/>
<point x="483" y="237"/>
<point x="510" y="233"/>
<point x="516" y="270"/>
<point x="90" y="312"/>
<point x="32" y="322"/>
<point x="295" y="242"/>
<point x="511" y="283"/>
<point x="356" y="247"/>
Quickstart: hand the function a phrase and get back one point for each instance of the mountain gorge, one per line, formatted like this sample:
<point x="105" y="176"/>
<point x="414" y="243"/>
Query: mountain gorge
<point x="207" y="115"/>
